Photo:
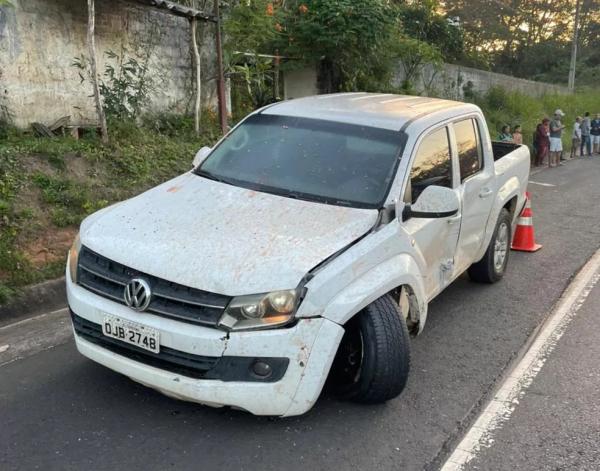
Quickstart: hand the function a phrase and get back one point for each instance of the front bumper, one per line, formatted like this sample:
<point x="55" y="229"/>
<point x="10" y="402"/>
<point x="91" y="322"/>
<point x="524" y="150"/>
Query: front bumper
<point x="310" y="346"/>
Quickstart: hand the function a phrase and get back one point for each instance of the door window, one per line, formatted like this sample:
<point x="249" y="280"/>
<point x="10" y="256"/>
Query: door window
<point x="469" y="148"/>
<point x="432" y="165"/>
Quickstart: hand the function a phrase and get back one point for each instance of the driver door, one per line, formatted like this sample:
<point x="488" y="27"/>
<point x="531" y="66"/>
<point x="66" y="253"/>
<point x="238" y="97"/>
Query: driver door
<point x="435" y="240"/>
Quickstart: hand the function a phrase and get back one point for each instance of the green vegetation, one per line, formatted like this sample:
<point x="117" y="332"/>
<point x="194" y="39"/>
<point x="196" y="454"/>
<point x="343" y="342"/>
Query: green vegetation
<point x="355" y="44"/>
<point x="529" y="38"/>
<point x="47" y="186"/>
<point x="504" y="107"/>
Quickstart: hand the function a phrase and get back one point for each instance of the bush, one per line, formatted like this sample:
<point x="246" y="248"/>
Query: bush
<point x="501" y="107"/>
<point x="47" y="186"/>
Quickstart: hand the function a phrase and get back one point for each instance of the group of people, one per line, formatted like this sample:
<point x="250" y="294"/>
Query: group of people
<point x="507" y="136"/>
<point x="547" y="141"/>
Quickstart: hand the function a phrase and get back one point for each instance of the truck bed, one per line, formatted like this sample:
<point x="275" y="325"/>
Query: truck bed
<point x="500" y="149"/>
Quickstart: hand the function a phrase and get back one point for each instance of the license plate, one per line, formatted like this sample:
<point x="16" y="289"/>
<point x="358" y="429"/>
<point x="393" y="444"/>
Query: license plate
<point x="132" y="333"/>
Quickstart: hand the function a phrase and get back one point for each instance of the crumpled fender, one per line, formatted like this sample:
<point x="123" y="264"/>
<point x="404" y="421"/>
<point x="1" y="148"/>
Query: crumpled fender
<point x="398" y="270"/>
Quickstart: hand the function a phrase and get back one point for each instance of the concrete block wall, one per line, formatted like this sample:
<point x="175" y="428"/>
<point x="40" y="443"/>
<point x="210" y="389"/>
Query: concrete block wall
<point x="449" y="80"/>
<point x="40" y="38"/>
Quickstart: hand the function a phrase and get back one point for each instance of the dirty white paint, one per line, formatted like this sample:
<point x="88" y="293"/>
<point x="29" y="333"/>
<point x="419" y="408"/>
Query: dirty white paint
<point x="221" y="238"/>
<point x="229" y="240"/>
<point x="514" y="387"/>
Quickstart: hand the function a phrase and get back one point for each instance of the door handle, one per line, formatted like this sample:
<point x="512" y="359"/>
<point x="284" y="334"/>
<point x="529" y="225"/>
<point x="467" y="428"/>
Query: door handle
<point x="485" y="193"/>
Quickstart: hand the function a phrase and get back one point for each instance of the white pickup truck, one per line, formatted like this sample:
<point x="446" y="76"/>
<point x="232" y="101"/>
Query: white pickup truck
<point x="304" y="246"/>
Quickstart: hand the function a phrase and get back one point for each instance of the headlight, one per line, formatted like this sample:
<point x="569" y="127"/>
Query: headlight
<point x="74" y="258"/>
<point x="260" y="311"/>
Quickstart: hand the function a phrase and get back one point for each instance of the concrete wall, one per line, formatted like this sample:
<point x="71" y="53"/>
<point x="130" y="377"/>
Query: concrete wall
<point x="451" y="80"/>
<point x="299" y="83"/>
<point x="40" y="38"/>
<point x="448" y="81"/>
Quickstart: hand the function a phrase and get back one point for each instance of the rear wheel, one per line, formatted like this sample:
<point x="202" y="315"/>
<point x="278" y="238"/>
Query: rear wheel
<point x="373" y="360"/>
<point x="492" y="266"/>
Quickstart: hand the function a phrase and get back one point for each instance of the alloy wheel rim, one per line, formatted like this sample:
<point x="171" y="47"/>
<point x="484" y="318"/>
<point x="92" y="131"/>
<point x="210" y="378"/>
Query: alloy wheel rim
<point x="501" y="247"/>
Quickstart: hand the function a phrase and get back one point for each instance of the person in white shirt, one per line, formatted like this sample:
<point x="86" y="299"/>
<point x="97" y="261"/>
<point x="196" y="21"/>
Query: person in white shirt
<point x="576" y="137"/>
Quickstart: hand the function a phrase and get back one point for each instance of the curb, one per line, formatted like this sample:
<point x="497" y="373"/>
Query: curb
<point x="36" y="299"/>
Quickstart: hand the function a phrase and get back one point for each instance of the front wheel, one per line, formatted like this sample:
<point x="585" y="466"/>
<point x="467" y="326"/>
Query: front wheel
<point x="373" y="359"/>
<point x="492" y="266"/>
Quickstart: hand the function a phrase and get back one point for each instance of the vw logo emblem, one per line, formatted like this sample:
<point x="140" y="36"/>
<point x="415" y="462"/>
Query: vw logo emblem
<point x="138" y="294"/>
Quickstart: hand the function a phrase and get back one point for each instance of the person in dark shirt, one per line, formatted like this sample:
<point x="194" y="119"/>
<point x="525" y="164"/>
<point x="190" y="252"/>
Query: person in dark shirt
<point x="541" y="142"/>
<point x="595" y="134"/>
<point x="586" y="127"/>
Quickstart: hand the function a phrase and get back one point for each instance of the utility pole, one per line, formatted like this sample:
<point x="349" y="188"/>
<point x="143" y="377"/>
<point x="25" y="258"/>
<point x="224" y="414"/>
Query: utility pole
<point x="221" y="76"/>
<point x="573" y="65"/>
<point x="91" y="40"/>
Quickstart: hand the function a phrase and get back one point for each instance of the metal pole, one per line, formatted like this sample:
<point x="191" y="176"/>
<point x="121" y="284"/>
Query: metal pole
<point x="573" y="65"/>
<point x="221" y="76"/>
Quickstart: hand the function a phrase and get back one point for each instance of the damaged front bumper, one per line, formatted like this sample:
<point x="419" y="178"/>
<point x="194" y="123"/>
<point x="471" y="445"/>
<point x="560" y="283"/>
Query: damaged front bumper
<point x="208" y="366"/>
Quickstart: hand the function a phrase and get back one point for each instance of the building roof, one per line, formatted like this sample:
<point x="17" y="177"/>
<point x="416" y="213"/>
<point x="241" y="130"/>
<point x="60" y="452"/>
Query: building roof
<point x="382" y="110"/>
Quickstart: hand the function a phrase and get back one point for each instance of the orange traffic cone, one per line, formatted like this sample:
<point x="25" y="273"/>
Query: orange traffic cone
<point x="524" y="239"/>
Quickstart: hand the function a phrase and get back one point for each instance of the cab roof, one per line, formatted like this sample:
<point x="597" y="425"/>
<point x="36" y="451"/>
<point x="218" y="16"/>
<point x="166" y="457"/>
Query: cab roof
<point x="381" y="110"/>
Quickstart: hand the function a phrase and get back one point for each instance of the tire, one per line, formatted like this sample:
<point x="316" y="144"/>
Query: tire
<point x="373" y="360"/>
<point x="490" y="269"/>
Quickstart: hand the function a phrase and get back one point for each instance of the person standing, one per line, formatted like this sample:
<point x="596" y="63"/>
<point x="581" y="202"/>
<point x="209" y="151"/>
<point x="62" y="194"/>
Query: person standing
<point x="586" y="127"/>
<point x="517" y="136"/>
<point x="595" y="134"/>
<point x="556" y="129"/>
<point x="576" y="137"/>
<point x="542" y="142"/>
<point x="505" y="135"/>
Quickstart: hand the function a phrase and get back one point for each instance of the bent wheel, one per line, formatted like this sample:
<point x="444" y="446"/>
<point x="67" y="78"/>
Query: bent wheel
<point x="373" y="359"/>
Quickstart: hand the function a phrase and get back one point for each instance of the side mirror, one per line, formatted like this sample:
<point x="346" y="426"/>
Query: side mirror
<point x="434" y="202"/>
<point x="201" y="156"/>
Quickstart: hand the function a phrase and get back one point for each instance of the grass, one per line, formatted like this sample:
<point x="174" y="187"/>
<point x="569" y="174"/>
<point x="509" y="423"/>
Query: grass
<point x="504" y="107"/>
<point x="47" y="186"/>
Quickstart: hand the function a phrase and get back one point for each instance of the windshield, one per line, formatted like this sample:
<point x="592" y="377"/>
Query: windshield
<point x="310" y="159"/>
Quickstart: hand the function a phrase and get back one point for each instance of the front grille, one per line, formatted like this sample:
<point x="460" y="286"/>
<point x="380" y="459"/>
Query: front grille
<point x="108" y="278"/>
<point x="175" y="361"/>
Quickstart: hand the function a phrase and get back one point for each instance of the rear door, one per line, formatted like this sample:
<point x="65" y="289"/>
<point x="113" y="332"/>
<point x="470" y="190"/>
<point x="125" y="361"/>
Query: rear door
<point x="476" y="187"/>
<point x="434" y="239"/>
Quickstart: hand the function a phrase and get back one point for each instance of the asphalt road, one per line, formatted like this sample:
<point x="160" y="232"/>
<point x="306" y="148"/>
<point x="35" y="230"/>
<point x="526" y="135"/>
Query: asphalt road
<point x="61" y="411"/>
<point x="556" y="425"/>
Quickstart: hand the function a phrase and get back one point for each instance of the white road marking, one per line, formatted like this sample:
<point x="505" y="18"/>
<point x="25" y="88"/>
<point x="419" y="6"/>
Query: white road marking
<point x="506" y="399"/>
<point x="542" y="184"/>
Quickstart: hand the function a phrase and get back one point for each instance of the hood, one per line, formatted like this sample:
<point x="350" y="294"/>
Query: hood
<point x="221" y="238"/>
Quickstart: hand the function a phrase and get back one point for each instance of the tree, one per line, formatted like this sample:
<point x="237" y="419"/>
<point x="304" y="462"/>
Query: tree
<point x="527" y="38"/>
<point x="422" y="21"/>
<point x="347" y="38"/>
<point x="414" y="55"/>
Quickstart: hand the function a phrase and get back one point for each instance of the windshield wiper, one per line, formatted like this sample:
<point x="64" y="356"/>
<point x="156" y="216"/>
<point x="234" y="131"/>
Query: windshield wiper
<point x="212" y="176"/>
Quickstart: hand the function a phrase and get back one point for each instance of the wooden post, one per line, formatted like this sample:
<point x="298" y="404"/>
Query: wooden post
<point x="196" y="55"/>
<point x="220" y="74"/>
<point x="573" y="63"/>
<point x="276" y="63"/>
<point x="91" y="40"/>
